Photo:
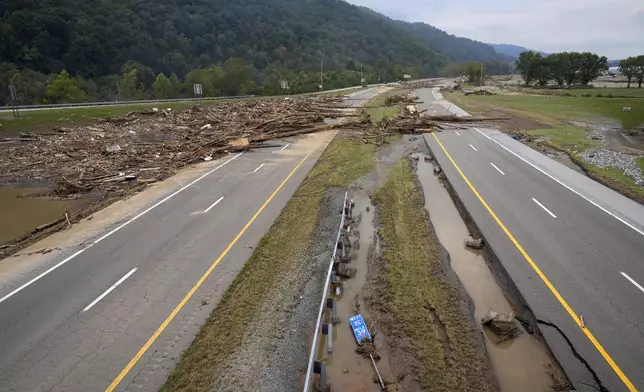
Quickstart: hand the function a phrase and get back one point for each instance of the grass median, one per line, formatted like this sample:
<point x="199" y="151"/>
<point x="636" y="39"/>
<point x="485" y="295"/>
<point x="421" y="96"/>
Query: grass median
<point x="377" y="108"/>
<point x="341" y="163"/>
<point x="424" y="304"/>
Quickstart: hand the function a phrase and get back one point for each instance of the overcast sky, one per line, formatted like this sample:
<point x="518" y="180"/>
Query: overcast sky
<point x="612" y="28"/>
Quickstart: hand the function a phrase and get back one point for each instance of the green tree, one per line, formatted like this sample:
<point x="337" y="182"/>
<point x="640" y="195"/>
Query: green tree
<point x="176" y="85"/>
<point x="628" y="68"/>
<point x="591" y="67"/>
<point x="211" y="80"/>
<point x="238" y="77"/>
<point x="129" y="86"/>
<point x="64" y="89"/>
<point x="529" y="64"/>
<point x="142" y="78"/>
<point x="543" y="71"/>
<point x="30" y="85"/>
<point x="639" y="70"/>
<point x="558" y="64"/>
<point x="163" y="88"/>
<point x="474" y="72"/>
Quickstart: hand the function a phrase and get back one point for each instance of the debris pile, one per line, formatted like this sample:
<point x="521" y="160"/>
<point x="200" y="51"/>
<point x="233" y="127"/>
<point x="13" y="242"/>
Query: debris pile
<point x="407" y="122"/>
<point x="398" y="99"/>
<point x="418" y="84"/>
<point x="148" y="146"/>
<point x="478" y="92"/>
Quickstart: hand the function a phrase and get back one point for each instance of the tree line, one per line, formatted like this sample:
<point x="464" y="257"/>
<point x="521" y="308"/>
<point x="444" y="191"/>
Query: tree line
<point x="97" y="43"/>
<point x="231" y="78"/>
<point x="562" y="69"/>
<point x="633" y="68"/>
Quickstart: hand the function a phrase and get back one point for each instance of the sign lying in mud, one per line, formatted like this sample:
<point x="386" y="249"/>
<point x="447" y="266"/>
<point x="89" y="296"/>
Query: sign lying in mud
<point x="359" y="328"/>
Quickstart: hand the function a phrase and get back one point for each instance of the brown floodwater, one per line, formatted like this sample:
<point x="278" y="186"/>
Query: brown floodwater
<point x="520" y="364"/>
<point x="347" y="370"/>
<point x="22" y="211"/>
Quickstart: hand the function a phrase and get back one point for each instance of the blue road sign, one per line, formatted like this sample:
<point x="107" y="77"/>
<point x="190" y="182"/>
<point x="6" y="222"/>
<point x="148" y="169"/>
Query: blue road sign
<point x="359" y="327"/>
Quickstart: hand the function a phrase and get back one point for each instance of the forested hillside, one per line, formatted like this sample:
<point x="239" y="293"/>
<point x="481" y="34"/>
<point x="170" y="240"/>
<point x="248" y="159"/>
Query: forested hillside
<point x="99" y="42"/>
<point x="456" y="48"/>
<point x="512" y="51"/>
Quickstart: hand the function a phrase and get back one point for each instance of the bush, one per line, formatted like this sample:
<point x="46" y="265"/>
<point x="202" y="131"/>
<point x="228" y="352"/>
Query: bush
<point x="599" y="95"/>
<point x="586" y="95"/>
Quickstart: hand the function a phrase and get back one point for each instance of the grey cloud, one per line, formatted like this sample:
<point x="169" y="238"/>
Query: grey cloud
<point x="614" y="28"/>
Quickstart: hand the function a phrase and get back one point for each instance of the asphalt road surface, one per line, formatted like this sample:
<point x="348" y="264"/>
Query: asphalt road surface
<point x="574" y="248"/>
<point x="116" y="312"/>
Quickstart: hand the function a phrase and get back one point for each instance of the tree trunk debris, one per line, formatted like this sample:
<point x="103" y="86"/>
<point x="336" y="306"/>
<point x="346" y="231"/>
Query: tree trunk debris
<point x="117" y="154"/>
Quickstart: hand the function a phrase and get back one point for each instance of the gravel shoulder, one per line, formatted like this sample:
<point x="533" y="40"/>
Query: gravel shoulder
<point x="238" y="346"/>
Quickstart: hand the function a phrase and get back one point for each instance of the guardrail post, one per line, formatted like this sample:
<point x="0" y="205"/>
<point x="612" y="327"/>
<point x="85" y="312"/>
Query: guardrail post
<point x="319" y="367"/>
<point x="332" y="304"/>
<point x="327" y="330"/>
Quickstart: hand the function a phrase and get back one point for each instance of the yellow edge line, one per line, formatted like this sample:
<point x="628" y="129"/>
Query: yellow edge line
<point x="185" y="299"/>
<point x="543" y="277"/>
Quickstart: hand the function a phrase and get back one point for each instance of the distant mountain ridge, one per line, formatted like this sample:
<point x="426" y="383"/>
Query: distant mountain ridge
<point x="512" y="50"/>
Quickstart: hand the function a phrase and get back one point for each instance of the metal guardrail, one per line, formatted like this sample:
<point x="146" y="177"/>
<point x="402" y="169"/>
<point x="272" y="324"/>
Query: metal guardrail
<point x="140" y="102"/>
<point x="323" y="303"/>
<point x="118" y="103"/>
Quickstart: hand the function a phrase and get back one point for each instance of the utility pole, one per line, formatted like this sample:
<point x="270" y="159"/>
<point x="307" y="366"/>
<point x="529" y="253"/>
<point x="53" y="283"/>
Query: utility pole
<point x="481" y="74"/>
<point x="361" y="78"/>
<point x="321" y="71"/>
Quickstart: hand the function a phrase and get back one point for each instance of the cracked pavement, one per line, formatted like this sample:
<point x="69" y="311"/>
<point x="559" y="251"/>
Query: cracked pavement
<point x="581" y="249"/>
<point x="50" y="344"/>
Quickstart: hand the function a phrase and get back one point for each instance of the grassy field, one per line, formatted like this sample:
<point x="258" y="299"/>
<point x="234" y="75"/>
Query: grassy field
<point x="553" y="112"/>
<point x="568" y="108"/>
<point x="597" y="92"/>
<point x="423" y="303"/>
<point x="566" y="137"/>
<point x="343" y="162"/>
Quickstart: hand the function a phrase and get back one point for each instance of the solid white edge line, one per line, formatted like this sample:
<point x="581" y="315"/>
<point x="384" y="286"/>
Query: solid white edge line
<point x="11" y="294"/>
<point x="214" y="204"/>
<point x="258" y="167"/>
<point x="494" y="166"/>
<point x="562" y="184"/>
<point x="283" y="148"/>
<point x="115" y="285"/>
<point x="544" y="207"/>
<point x="457" y="133"/>
<point x="19" y="289"/>
<point x="449" y="109"/>
<point x="632" y="281"/>
<point x="473" y="148"/>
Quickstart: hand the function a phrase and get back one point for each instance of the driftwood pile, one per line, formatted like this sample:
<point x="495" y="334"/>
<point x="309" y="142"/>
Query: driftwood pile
<point x="478" y="92"/>
<point x="143" y="147"/>
<point x="408" y="123"/>
<point x="116" y="154"/>
<point x="418" y="84"/>
<point x="398" y="99"/>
